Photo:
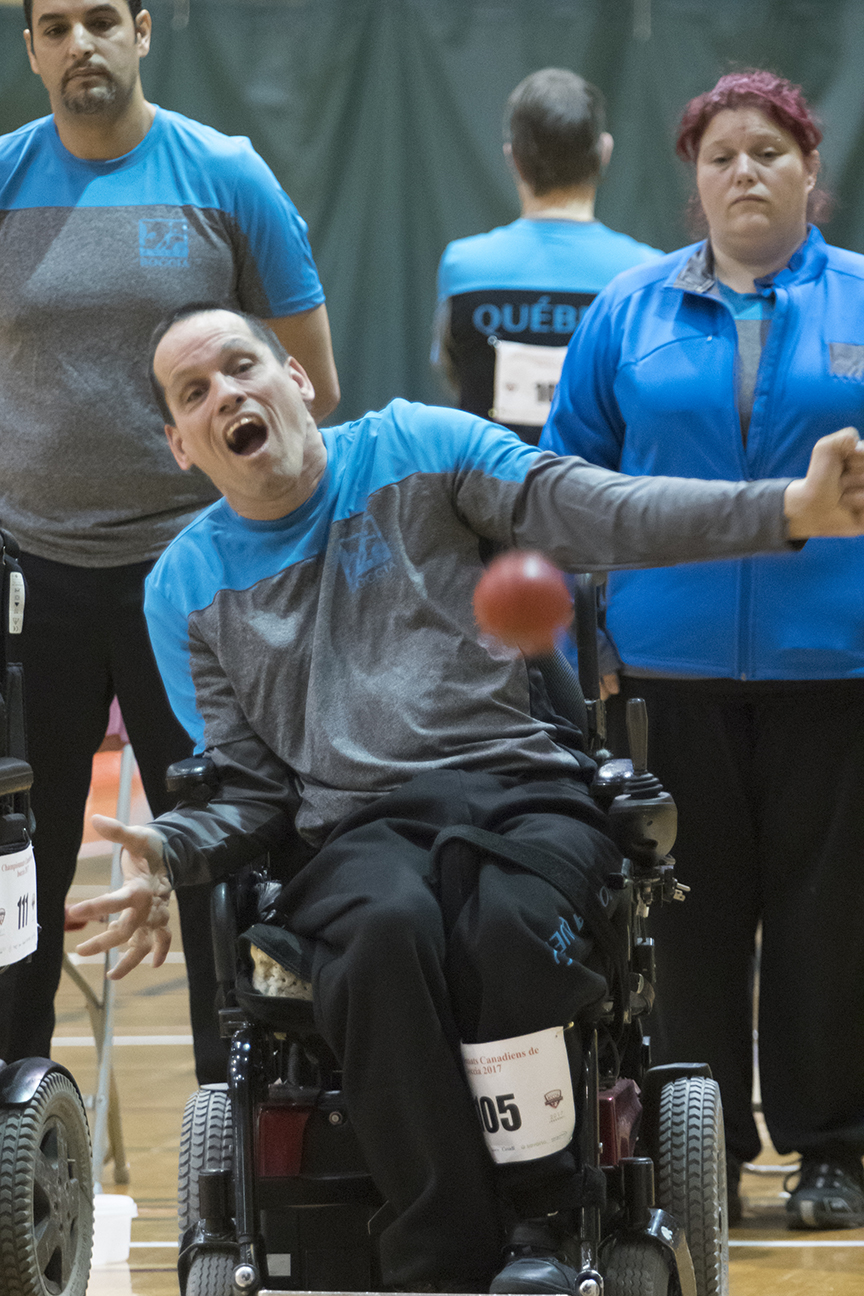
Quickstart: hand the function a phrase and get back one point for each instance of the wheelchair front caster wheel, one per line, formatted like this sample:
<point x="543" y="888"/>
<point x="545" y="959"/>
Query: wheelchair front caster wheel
<point x="211" y="1274"/>
<point x="636" y="1269"/>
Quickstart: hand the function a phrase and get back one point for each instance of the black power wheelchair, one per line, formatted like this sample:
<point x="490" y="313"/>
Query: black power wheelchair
<point x="274" y="1195"/>
<point x="46" y="1185"/>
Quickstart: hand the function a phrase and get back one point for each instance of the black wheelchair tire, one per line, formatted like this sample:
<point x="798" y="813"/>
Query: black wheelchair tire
<point x="46" y="1193"/>
<point x="211" y="1274"/>
<point x="690" y="1166"/>
<point x="205" y="1144"/>
<point x="636" y="1269"/>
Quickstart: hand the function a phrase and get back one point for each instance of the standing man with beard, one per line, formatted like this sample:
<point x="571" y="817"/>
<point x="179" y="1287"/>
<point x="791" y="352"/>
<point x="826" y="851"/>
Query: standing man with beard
<point x="112" y="212"/>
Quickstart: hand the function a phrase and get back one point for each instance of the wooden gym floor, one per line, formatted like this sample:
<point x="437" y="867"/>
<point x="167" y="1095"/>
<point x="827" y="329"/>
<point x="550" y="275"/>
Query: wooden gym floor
<point x="155" y="1075"/>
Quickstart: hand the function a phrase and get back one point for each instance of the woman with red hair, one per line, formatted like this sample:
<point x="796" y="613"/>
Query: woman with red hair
<point x="727" y="359"/>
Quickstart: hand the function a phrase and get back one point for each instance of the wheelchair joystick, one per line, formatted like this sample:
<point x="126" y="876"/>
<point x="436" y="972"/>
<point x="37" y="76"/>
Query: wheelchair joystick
<point x="641" y="785"/>
<point x="637" y="734"/>
<point x="642" y="815"/>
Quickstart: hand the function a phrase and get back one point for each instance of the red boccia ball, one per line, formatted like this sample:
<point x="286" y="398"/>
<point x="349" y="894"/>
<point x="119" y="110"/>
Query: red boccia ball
<point x="522" y="600"/>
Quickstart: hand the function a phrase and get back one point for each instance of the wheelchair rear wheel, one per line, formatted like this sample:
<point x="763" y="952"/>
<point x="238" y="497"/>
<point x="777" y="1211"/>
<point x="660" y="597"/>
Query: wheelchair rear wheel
<point x="205" y="1144"/>
<point x="691" y="1176"/>
<point x="636" y="1269"/>
<point x="46" y="1193"/>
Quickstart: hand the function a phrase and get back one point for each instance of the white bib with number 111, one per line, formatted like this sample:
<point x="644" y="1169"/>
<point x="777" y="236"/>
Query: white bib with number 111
<point x="18" y="930"/>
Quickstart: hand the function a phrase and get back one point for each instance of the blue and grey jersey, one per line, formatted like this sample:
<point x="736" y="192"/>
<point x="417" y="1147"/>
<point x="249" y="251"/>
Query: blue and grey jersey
<point x="93" y="254"/>
<point x="335" y="650"/>
<point x="530" y="281"/>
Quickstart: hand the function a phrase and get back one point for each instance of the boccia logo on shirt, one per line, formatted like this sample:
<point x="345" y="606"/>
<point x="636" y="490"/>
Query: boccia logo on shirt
<point x="163" y="241"/>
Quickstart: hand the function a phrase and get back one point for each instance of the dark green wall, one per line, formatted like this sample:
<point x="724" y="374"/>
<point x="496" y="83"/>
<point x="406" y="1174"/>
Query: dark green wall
<point x="382" y="119"/>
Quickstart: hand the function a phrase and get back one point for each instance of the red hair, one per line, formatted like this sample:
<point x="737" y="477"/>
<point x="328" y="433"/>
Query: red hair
<point x="772" y="95"/>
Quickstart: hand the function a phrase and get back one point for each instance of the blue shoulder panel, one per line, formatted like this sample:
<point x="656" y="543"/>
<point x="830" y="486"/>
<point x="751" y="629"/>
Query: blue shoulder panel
<point x="542" y="255"/>
<point x="180" y="163"/>
<point x="220" y="550"/>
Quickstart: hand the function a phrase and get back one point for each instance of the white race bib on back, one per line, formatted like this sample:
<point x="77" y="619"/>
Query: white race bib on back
<point x="525" y="381"/>
<point x="18" y="930"/>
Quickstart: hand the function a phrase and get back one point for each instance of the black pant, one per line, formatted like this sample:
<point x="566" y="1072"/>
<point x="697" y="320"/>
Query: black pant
<point x="85" y="639"/>
<point x="395" y="991"/>
<point x="769" y="781"/>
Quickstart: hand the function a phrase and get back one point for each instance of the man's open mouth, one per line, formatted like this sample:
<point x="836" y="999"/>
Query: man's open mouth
<point x="246" y="435"/>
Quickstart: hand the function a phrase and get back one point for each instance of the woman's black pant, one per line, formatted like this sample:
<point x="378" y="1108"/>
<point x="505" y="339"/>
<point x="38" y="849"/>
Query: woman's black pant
<point x="769" y="782"/>
<point x="397" y="986"/>
<point x="85" y="639"/>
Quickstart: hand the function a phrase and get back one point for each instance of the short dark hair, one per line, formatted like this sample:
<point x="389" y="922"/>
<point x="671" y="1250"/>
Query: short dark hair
<point x="255" y="326"/>
<point x="134" y="9"/>
<point x="554" y="121"/>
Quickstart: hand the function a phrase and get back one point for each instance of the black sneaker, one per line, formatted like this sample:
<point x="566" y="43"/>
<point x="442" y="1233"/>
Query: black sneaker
<point x="828" y="1195"/>
<point x="734" y="1208"/>
<point x="532" y="1265"/>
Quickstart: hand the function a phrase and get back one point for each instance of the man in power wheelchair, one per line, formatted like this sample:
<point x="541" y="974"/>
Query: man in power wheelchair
<point x="280" y="1129"/>
<point x="453" y="876"/>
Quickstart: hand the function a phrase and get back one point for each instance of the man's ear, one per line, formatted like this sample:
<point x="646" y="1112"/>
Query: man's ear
<point x="301" y="378"/>
<point x="607" y="144"/>
<point x="28" y="43"/>
<point x="143" y="29"/>
<point x="176" y="444"/>
<point x="511" y="161"/>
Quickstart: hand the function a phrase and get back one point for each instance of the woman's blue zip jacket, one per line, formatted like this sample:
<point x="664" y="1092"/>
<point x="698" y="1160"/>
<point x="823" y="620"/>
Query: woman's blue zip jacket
<point x="649" y="387"/>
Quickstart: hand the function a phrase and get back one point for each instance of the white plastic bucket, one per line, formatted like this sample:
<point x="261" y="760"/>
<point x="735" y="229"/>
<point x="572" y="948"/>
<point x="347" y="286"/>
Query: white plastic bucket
<point x="112" y="1227"/>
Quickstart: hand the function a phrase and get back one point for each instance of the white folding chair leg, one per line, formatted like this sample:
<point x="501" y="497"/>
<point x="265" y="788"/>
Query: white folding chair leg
<point x="107" y="1127"/>
<point x="106" y="1123"/>
<point x="96" y="1011"/>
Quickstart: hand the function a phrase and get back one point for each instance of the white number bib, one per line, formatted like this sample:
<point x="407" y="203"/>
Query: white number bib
<point x="18" y="931"/>
<point x="523" y="1094"/>
<point x="525" y="381"/>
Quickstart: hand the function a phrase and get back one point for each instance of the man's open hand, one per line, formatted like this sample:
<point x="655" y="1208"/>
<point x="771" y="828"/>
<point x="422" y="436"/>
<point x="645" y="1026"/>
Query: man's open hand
<point x="829" y="501"/>
<point x="140" y="905"/>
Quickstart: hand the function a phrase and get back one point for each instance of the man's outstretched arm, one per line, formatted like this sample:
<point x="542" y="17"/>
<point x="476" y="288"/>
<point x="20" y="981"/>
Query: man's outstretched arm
<point x="586" y="518"/>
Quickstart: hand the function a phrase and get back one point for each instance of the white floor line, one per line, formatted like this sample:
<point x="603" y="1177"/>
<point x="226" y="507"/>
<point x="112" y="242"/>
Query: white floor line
<point x="758" y="1242"/>
<point x="78" y="959"/>
<point x="732" y="1242"/>
<point x="87" y="1041"/>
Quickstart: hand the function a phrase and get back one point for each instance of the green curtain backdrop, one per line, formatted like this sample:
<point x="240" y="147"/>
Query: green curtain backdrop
<point x="382" y="119"/>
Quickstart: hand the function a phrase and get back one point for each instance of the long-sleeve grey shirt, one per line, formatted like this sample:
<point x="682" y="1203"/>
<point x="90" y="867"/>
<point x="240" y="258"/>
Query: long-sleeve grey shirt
<point x="330" y="656"/>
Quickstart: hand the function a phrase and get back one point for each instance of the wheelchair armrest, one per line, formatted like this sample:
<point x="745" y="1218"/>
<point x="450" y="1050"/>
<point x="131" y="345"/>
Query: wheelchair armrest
<point x="15" y="776"/>
<point x="193" y="780"/>
<point x="585" y="610"/>
<point x="223" y="920"/>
